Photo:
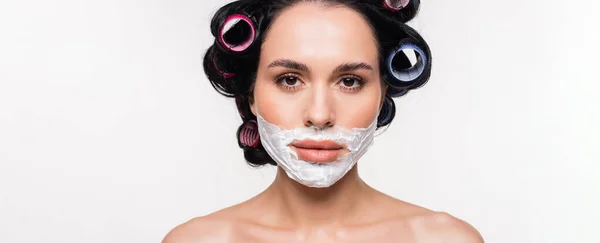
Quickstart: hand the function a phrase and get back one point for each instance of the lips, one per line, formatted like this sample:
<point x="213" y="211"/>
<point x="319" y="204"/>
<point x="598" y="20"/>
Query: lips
<point x="317" y="151"/>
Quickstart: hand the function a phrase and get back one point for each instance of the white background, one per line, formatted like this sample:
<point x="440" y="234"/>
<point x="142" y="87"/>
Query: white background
<point x="109" y="131"/>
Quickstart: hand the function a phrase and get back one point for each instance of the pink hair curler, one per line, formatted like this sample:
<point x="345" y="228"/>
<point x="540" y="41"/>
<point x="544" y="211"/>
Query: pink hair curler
<point x="237" y="33"/>
<point x="249" y="135"/>
<point x="395" y="5"/>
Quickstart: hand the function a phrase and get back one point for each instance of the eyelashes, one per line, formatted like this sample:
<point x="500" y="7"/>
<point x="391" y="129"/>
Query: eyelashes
<point x="346" y="83"/>
<point x="289" y="82"/>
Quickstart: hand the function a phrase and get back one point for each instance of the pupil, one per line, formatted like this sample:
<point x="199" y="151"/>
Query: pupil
<point x="348" y="82"/>
<point x="290" y="80"/>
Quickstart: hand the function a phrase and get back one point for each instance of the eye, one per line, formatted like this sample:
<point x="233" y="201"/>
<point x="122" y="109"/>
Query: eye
<point x="289" y="81"/>
<point x="351" y="83"/>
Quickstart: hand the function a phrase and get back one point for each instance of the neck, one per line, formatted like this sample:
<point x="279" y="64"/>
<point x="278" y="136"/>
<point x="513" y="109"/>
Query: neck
<point x="306" y="206"/>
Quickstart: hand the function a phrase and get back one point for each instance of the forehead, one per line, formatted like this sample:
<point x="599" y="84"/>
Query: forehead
<point x="310" y="31"/>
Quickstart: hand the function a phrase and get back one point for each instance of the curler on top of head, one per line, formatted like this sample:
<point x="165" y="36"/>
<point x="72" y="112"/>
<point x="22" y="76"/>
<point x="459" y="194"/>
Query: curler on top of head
<point x="237" y="33"/>
<point x="406" y="65"/>
<point x="402" y="10"/>
<point x="395" y="5"/>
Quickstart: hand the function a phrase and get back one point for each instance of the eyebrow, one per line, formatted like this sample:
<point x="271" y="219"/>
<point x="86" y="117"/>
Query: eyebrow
<point x="345" y="67"/>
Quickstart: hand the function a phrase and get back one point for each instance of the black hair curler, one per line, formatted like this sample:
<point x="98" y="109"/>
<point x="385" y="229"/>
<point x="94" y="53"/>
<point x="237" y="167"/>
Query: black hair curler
<point x="387" y="113"/>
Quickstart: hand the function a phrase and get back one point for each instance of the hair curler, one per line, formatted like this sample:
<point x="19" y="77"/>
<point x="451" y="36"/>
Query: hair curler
<point x="248" y="134"/>
<point x="237" y="33"/>
<point x="406" y="64"/>
<point x="395" y="5"/>
<point x="387" y="113"/>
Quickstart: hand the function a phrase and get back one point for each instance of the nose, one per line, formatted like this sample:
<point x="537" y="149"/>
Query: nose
<point x="320" y="109"/>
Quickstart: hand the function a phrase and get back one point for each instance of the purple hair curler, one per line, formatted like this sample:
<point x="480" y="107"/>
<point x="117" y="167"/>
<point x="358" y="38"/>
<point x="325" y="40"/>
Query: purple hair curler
<point x="395" y="5"/>
<point x="249" y="135"/>
<point x="237" y="33"/>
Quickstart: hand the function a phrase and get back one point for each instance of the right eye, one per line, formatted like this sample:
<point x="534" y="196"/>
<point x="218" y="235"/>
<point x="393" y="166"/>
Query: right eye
<point x="289" y="82"/>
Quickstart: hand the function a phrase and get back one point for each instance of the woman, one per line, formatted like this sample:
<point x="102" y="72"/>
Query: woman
<point x="313" y="80"/>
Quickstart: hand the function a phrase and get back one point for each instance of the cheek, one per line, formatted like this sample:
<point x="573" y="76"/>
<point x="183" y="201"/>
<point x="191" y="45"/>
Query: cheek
<point x="358" y="111"/>
<point x="275" y="106"/>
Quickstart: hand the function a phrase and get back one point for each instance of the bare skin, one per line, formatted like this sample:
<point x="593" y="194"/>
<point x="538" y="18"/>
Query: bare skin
<point x="350" y="210"/>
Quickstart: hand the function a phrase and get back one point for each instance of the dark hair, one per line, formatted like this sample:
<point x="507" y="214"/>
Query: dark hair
<point x="231" y="62"/>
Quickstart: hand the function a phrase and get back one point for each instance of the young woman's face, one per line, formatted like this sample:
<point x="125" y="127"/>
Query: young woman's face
<point x="318" y="67"/>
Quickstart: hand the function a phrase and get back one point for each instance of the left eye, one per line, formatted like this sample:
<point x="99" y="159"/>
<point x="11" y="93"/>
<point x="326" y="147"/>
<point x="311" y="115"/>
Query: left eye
<point x="349" y="82"/>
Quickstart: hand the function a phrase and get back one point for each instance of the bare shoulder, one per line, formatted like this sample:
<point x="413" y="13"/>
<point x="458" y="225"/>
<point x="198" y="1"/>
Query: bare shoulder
<point x="425" y="225"/>
<point x="223" y="226"/>
<point x="441" y="227"/>
<point x="421" y="225"/>
<point x="199" y="230"/>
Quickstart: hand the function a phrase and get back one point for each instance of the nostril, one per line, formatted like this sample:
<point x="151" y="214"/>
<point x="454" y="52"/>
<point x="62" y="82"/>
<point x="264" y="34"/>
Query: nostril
<point x="320" y="113"/>
<point x="319" y="126"/>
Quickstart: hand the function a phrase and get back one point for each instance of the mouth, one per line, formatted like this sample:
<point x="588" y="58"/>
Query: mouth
<point x="318" y="151"/>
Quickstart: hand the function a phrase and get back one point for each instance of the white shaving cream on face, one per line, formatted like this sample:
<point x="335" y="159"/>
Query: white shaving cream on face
<point x="276" y="142"/>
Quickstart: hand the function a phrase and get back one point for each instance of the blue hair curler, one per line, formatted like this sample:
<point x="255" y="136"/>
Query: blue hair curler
<point x="406" y="64"/>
